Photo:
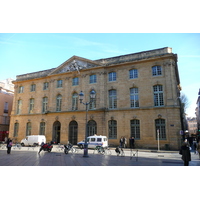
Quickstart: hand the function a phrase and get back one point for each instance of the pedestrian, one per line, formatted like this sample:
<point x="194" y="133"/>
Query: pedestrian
<point x="131" y="142"/>
<point x="198" y="149"/>
<point x="185" y="152"/>
<point x="195" y="145"/>
<point x="9" y="145"/>
<point x="125" y="142"/>
<point x="122" y="141"/>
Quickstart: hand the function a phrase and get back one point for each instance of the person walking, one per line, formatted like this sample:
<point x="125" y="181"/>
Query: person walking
<point x="9" y="145"/>
<point x="122" y="141"/>
<point x="198" y="148"/>
<point x="185" y="152"/>
<point x="131" y="142"/>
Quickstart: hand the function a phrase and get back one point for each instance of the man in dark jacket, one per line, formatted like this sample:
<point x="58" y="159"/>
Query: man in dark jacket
<point x="185" y="152"/>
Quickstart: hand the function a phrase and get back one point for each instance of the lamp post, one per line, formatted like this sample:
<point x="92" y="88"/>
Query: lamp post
<point x="92" y="97"/>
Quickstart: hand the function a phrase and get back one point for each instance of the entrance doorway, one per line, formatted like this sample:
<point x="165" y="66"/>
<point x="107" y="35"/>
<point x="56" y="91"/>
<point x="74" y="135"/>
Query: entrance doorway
<point x="56" y="132"/>
<point x="73" y="132"/>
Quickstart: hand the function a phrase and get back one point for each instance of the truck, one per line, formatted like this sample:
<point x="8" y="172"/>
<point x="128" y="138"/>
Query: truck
<point x="33" y="140"/>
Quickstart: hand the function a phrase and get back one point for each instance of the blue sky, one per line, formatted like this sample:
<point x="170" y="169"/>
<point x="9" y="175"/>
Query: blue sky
<point x="30" y="52"/>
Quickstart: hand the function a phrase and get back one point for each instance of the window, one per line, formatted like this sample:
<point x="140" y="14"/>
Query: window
<point x="158" y="95"/>
<point x="92" y="128"/>
<point x="58" y="102"/>
<point x="92" y="105"/>
<point x="6" y="107"/>
<point x="112" y="99"/>
<point x="42" y="128"/>
<point x="16" y="129"/>
<point x="31" y="105"/>
<point x="112" y="76"/>
<point x="135" y="128"/>
<point x="93" y="78"/>
<point x="133" y="73"/>
<point x="160" y="127"/>
<point x="45" y="86"/>
<point x="19" y="106"/>
<point x="21" y="89"/>
<point x="44" y="104"/>
<point x="33" y="87"/>
<point x="112" y="128"/>
<point x="28" y="128"/>
<point x="99" y="139"/>
<point x="156" y="71"/>
<point x="134" y="98"/>
<point x="75" y="101"/>
<point x="59" y="83"/>
<point x="75" y="81"/>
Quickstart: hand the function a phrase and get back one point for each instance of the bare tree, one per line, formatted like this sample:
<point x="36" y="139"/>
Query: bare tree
<point x="184" y="102"/>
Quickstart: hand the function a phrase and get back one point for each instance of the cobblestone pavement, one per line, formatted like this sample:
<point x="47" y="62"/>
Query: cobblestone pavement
<point x="30" y="157"/>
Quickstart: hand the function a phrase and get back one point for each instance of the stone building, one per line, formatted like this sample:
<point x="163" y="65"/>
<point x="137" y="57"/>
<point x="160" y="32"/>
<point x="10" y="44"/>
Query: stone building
<point x="136" y="95"/>
<point x="6" y="101"/>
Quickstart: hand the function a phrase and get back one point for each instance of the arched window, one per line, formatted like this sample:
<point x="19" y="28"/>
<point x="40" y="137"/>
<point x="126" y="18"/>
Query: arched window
<point x="58" y="102"/>
<point x="75" y="101"/>
<point x="92" y="128"/>
<point x="42" y="128"/>
<point x="135" y="128"/>
<point x="112" y="129"/>
<point x="28" y="128"/>
<point x="160" y="128"/>
<point x="158" y="95"/>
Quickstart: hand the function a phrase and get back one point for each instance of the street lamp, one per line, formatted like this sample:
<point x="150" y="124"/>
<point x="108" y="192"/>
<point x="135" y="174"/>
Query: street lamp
<point x="92" y="97"/>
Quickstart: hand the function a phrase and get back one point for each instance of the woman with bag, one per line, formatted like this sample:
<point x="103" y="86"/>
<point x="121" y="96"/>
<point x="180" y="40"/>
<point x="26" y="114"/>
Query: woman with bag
<point x="9" y="145"/>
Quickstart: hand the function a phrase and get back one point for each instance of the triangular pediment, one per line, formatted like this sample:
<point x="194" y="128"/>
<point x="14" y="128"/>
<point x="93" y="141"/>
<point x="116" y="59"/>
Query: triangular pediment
<point x="75" y="63"/>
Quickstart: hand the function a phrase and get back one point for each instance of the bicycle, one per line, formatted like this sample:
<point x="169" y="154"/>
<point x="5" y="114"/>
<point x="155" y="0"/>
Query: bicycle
<point x="107" y="151"/>
<point x="17" y="145"/>
<point x="60" y="147"/>
<point x="134" y="154"/>
<point x="3" y="146"/>
<point x="99" y="149"/>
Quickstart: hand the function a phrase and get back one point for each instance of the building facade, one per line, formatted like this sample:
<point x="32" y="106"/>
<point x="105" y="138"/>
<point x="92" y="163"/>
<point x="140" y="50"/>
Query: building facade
<point x="6" y="101"/>
<point x="192" y="125"/>
<point x="136" y="95"/>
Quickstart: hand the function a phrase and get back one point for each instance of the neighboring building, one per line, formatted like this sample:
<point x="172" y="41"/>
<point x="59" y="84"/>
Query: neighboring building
<point x="136" y="95"/>
<point x="6" y="101"/>
<point x="192" y="125"/>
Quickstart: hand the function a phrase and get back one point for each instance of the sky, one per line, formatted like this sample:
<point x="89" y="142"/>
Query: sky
<point x="22" y="53"/>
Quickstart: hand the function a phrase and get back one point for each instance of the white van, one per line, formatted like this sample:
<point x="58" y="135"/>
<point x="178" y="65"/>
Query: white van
<point x="94" y="141"/>
<point x="33" y="140"/>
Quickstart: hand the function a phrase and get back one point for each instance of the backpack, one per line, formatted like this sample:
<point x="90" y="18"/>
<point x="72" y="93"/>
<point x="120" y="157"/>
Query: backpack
<point x="10" y="144"/>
